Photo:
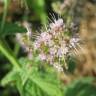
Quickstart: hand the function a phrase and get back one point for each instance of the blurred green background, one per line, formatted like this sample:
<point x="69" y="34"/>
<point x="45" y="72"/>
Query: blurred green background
<point x="37" y="13"/>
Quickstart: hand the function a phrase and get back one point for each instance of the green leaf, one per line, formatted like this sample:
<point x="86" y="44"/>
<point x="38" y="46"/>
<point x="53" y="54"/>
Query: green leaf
<point x="33" y="82"/>
<point x="20" y="86"/>
<point x="38" y="7"/>
<point x="38" y="83"/>
<point x="10" y="77"/>
<point x="82" y="87"/>
<point x="49" y="88"/>
<point x="10" y="28"/>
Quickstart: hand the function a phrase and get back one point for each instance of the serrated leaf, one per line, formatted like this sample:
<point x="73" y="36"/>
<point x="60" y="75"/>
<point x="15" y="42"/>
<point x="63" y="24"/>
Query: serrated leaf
<point x="48" y="87"/>
<point x="11" y="28"/>
<point x="34" y="82"/>
<point x="33" y="89"/>
<point x="20" y="86"/>
<point x="30" y="88"/>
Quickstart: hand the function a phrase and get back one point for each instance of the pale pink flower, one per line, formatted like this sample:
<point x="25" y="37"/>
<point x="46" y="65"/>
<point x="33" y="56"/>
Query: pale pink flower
<point x="50" y="59"/>
<point x="45" y="36"/>
<point x="53" y="46"/>
<point x="58" y="67"/>
<point x="50" y="43"/>
<point x="62" y="51"/>
<point x="36" y="45"/>
<point x="42" y="56"/>
<point x="52" y="51"/>
<point x="74" y="41"/>
<point x="19" y="38"/>
<point x="57" y="24"/>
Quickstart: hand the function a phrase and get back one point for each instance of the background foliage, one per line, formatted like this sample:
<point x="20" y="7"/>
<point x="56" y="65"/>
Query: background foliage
<point x="24" y="77"/>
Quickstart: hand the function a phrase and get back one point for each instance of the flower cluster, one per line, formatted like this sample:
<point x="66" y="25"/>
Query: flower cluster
<point x="54" y="45"/>
<point x="24" y="40"/>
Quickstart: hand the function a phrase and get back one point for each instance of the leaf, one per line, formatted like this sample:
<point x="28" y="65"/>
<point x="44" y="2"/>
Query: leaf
<point x="20" y="86"/>
<point x="38" y="7"/>
<point x="10" y="77"/>
<point x="38" y="83"/>
<point x="32" y="82"/>
<point x="30" y="88"/>
<point x="82" y="87"/>
<point x="10" y="28"/>
<point x="49" y="88"/>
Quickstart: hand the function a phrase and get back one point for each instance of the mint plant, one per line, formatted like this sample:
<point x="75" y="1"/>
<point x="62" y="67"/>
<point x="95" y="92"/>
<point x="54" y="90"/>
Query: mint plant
<point x="49" y="63"/>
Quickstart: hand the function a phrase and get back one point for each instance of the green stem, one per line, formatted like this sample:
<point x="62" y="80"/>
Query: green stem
<point x="6" y="3"/>
<point x="16" y="49"/>
<point x="9" y="55"/>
